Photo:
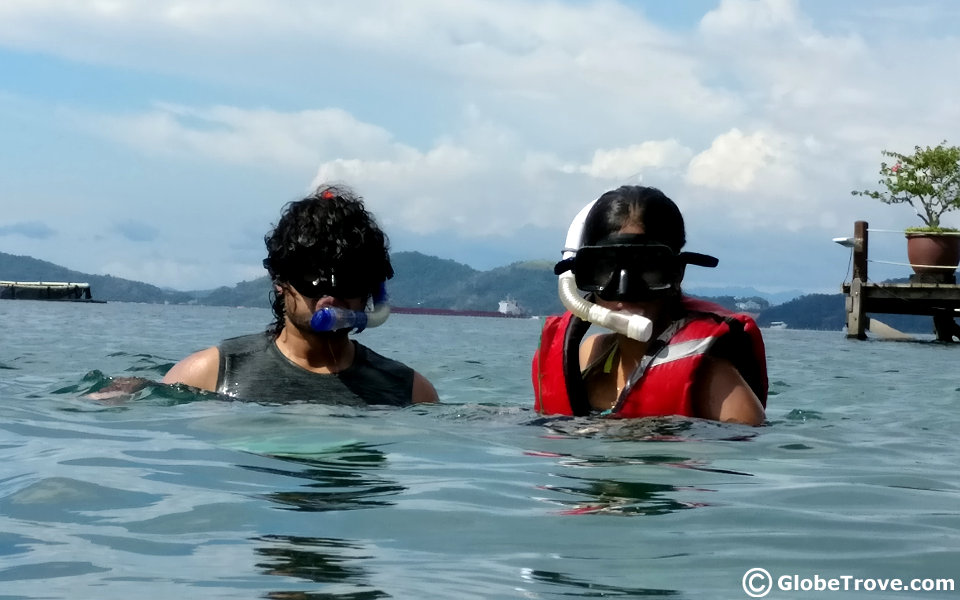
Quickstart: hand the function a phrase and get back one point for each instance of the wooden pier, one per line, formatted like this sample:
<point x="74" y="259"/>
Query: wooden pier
<point x="936" y="295"/>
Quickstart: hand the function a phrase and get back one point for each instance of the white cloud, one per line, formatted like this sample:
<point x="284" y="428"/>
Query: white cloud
<point x="623" y="163"/>
<point x="738" y="17"/>
<point x="736" y="161"/>
<point x="482" y="117"/>
<point x="248" y="137"/>
<point x="175" y="274"/>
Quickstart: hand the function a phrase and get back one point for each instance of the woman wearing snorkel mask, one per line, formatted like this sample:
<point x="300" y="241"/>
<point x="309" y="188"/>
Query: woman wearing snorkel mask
<point x="669" y="354"/>
<point x="329" y="262"/>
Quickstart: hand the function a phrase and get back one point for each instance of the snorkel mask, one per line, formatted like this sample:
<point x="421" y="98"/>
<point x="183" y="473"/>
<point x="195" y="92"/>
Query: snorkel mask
<point x="631" y="268"/>
<point x="623" y="267"/>
<point x="333" y="318"/>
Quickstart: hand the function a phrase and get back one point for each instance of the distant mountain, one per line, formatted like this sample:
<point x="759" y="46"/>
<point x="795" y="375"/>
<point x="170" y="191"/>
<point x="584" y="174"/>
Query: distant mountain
<point x="420" y="280"/>
<point x="813" y="311"/>
<point x="773" y="298"/>
<point x="104" y="287"/>
<point x="254" y="293"/>
<point x="427" y="281"/>
<point x="748" y="304"/>
<point x="828" y="312"/>
<point x="431" y="282"/>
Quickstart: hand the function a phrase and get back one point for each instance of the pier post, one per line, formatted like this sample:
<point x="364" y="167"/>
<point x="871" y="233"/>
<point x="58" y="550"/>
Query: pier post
<point x="860" y="251"/>
<point x="856" y="313"/>
<point x="856" y="316"/>
<point x="945" y="327"/>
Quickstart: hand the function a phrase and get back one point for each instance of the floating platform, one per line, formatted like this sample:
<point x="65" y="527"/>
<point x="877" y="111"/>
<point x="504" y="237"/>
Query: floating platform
<point x="46" y="290"/>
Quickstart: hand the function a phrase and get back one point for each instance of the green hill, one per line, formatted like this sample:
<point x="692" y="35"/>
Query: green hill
<point x="420" y="280"/>
<point x="813" y="311"/>
<point x="431" y="282"/>
<point x="254" y="293"/>
<point x="828" y="312"/>
<point x="104" y="287"/>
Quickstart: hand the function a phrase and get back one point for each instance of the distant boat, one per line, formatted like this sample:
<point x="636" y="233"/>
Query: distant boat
<point x="777" y="325"/>
<point x="46" y="290"/>
<point x="508" y="308"/>
<point x="511" y="308"/>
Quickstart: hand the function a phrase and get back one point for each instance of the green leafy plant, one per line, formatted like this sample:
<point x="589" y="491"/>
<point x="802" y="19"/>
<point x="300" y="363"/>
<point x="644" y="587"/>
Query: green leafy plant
<point x="928" y="180"/>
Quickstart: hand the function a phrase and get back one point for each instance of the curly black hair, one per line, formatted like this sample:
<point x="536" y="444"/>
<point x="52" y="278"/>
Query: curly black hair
<point x="327" y="234"/>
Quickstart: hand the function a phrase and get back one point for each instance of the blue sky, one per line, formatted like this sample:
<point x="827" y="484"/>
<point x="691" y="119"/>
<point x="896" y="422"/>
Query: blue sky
<point x="159" y="140"/>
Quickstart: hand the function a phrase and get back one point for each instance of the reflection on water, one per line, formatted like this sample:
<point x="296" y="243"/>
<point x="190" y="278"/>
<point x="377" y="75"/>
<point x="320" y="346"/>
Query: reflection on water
<point x="617" y="493"/>
<point x="677" y="462"/>
<point x="620" y="497"/>
<point x="572" y="586"/>
<point x="653" y="429"/>
<point x="342" y="480"/>
<point x="320" y="560"/>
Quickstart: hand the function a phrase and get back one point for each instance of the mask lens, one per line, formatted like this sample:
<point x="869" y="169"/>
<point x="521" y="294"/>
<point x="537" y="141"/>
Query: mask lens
<point x="320" y="286"/>
<point x="313" y="287"/>
<point x="595" y="270"/>
<point x="627" y="272"/>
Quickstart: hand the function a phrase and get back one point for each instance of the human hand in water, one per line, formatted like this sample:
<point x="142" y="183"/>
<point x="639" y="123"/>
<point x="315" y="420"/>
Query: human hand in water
<point x="119" y="390"/>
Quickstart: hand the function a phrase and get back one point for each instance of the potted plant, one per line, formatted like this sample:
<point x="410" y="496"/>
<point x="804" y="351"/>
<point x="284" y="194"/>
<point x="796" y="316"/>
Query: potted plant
<point x="929" y="181"/>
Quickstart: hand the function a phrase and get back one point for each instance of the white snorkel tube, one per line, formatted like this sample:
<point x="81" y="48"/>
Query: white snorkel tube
<point x="333" y="318"/>
<point x="633" y="326"/>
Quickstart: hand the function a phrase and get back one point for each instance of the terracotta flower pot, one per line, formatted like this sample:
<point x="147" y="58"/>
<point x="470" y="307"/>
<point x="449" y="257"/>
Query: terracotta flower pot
<point x="931" y="253"/>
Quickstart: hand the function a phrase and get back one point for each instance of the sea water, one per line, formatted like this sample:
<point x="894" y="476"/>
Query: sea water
<point x="172" y="494"/>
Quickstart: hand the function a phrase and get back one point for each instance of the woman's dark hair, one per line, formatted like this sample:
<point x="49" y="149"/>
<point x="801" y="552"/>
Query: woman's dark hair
<point x="329" y="233"/>
<point x="640" y="205"/>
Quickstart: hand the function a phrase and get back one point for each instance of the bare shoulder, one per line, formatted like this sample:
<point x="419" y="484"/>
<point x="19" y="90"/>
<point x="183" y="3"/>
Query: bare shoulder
<point x="423" y="390"/>
<point x="200" y="370"/>
<point x="722" y="394"/>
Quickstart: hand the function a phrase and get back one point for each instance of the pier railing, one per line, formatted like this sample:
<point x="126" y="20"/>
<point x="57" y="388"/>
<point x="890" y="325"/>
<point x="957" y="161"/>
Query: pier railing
<point x="936" y="295"/>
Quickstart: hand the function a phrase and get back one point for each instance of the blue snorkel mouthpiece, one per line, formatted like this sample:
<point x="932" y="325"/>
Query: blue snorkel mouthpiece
<point x="333" y="318"/>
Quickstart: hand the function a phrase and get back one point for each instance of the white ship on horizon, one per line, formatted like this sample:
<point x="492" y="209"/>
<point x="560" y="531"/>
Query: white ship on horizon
<point x="511" y="308"/>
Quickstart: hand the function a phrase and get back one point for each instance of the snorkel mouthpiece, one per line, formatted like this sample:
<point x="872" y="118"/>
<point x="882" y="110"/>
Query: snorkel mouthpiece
<point x="333" y="318"/>
<point x="634" y="326"/>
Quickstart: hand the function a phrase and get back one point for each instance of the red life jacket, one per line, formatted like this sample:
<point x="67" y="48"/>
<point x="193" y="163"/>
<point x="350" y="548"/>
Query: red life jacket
<point x="663" y="383"/>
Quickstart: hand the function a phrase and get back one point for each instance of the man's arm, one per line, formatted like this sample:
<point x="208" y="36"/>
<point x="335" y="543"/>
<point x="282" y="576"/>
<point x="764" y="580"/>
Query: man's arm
<point x="199" y="370"/>
<point x="423" y="390"/>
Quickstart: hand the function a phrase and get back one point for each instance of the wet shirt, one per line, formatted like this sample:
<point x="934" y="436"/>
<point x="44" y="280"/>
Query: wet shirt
<point x="253" y="368"/>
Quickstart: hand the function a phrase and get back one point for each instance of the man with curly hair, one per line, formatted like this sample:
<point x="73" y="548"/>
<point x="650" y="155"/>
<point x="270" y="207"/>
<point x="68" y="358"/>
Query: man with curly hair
<point x="326" y="252"/>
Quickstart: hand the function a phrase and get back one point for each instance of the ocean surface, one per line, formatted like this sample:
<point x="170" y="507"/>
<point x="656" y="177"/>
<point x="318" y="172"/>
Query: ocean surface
<point x="176" y="495"/>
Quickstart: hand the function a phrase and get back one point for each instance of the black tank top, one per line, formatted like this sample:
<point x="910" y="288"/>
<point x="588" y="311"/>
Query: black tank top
<point x="253" y="368"/>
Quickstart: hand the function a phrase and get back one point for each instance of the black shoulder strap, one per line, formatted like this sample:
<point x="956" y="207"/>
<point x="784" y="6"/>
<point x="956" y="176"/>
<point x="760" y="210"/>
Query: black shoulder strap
<point x="576" y="388"/>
